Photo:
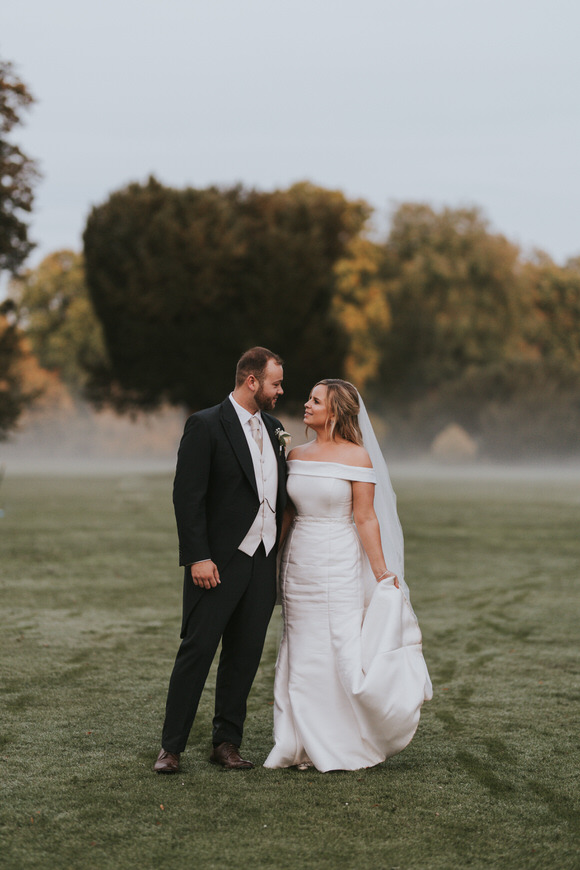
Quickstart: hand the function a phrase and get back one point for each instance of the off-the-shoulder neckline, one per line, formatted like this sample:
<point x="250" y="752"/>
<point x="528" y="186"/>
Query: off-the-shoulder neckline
<point x="330" y="462"/>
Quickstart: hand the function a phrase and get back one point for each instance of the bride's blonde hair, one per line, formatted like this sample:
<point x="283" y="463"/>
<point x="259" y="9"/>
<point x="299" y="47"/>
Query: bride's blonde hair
<point x="343" y="404"/>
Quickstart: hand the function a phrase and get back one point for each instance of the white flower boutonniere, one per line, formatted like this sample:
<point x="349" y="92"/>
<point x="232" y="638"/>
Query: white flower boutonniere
<point x="284" y="439"/>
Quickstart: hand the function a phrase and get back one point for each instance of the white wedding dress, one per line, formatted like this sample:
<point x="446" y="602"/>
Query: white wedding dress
<point x="350" y="680"/>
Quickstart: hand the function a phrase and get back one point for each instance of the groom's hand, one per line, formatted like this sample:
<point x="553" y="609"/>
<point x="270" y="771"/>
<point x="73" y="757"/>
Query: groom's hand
<point x="205" y="574"/>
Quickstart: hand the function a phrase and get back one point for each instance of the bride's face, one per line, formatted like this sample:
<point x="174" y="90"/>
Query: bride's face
<point x="315" y="410"/>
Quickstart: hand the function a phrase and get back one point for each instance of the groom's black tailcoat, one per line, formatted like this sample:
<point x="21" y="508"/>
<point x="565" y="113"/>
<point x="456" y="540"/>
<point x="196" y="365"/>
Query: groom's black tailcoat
<point x="216" y="500"/>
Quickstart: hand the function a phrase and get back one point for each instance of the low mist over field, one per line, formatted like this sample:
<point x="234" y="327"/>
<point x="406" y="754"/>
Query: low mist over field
<point x="78" y="437"/>
<point x="75" y="439"/>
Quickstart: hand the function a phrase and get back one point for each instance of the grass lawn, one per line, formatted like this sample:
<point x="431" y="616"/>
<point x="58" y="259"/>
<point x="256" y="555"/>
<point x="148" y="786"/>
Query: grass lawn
<point x="90" y="603"/>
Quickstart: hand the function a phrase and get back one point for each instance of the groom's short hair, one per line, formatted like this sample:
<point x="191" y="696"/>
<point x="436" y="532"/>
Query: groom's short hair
<point x="254" y="362"/>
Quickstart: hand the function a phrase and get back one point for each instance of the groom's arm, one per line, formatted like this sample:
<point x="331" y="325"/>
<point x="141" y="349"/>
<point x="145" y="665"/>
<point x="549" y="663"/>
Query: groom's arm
<point x="190" y="491"/>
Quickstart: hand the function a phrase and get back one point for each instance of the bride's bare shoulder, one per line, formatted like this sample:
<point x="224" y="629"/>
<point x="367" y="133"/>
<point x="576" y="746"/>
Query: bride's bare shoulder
<point x="298" y="452"/>
<point x="353" y="454"/>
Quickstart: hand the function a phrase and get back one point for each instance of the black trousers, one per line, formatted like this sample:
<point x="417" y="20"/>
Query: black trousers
<point x="237" y="612"/>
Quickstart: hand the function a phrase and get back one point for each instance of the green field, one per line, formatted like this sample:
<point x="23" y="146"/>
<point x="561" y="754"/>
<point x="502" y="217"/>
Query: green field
<point x="90" y="603"/>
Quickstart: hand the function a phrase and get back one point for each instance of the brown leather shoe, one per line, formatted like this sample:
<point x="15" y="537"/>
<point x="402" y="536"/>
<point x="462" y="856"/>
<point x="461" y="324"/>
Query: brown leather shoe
<point x="228" y="756"/>
<point x="167" y="762"/>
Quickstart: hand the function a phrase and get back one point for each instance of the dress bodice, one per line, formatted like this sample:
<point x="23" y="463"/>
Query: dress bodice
<point x="322" y="490"/>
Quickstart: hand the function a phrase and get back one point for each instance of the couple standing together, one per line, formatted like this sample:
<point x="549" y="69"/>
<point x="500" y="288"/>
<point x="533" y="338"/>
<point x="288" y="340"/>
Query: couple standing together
<point x="350" y="675"/>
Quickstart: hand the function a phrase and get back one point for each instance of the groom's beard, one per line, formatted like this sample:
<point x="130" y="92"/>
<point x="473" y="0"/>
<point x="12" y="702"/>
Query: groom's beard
<point x="264" y="403"/>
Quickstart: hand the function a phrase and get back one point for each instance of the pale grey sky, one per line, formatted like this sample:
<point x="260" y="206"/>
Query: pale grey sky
<point x="454" y="102"/>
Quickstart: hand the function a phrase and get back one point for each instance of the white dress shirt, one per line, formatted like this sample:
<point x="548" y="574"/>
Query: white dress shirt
<point x="263" y="529"/>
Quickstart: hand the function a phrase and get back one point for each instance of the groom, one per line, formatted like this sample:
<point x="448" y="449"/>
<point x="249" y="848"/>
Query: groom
<point x="229" y="494"/>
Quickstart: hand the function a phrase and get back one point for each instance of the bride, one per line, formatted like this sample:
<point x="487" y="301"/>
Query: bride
<point x="350" y="675"/>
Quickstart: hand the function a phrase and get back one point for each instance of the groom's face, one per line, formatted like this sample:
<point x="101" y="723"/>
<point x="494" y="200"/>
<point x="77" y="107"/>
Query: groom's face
<point x="270" y="387"/>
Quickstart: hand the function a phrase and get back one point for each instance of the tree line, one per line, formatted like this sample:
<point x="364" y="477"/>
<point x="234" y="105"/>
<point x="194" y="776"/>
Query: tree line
<point x="442" y="320"/>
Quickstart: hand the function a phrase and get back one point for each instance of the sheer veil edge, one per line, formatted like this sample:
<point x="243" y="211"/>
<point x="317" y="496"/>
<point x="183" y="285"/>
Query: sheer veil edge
<point x="385" y="509"/>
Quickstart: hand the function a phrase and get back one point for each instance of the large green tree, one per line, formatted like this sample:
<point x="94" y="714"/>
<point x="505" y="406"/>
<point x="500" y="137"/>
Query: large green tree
<point x="18" y="173"/>
<point x="184" y="281"/>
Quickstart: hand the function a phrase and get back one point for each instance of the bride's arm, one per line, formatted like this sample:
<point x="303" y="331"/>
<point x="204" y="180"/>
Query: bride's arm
<point x="365" y="518"/>
<point x="289" y="514"/>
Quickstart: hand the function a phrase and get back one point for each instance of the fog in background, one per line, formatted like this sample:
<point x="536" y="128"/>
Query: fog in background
<point x="78" y="440"/>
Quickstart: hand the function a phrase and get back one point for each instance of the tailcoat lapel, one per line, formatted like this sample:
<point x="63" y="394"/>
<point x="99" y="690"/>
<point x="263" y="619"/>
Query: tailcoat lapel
<point x="269" y="424"/>
<point x="235" y="434"/>
<point x="280" y="454"/>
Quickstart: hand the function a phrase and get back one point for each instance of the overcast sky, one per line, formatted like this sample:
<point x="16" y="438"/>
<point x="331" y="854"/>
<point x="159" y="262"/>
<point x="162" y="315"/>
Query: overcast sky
<point x="453" y="102"/>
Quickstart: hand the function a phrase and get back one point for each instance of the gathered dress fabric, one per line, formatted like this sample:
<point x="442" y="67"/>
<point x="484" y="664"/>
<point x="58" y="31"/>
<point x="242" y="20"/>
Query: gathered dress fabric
<point x="350" y="676"/>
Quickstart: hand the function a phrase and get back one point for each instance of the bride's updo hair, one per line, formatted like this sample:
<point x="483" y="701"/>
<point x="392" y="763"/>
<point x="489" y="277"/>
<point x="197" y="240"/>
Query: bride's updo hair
<point x="343" y="404"/>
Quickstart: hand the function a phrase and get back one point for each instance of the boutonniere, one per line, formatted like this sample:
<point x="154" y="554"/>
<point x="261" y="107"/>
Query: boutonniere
<point x="284" y="439"/>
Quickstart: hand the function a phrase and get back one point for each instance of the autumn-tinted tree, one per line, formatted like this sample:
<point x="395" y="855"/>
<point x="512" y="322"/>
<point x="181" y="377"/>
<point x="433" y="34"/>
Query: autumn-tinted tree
<point x="553" y="330"/>
<point x="479" y="337"/>
<point x="184" y="281"/>
<point x="455" y="297"/>
<point x="361" y="306"/>
<point x="13" y="393"/>
<point x="56" y="313"/>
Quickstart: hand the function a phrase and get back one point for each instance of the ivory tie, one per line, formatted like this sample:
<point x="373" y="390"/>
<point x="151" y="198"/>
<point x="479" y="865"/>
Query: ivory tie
<point x="256" y="431"/>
